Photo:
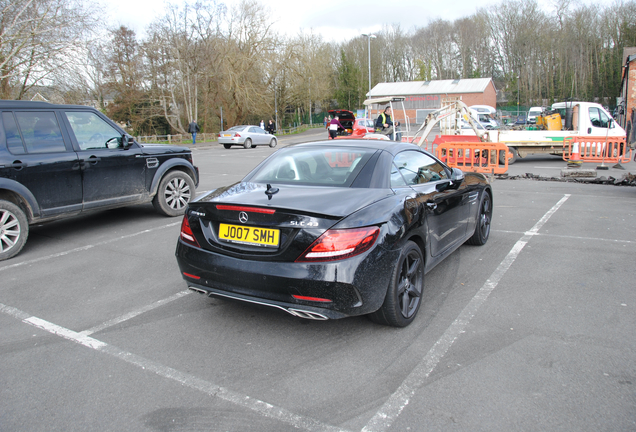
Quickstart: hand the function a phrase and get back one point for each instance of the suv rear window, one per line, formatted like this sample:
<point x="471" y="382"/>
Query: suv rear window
<point x="35" y="131"/>
<point x="14" y="140"/>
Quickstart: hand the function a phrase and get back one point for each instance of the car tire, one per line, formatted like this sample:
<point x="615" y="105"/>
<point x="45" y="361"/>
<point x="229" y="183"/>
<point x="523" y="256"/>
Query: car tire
<point x="227" y="146"/>
<point x="248" y="143"/>
<point x="484" y="219"/>
<point x="176" y="190"/>
<point x="273" y="143"/>
<point x="513" y="159"/>
<point x="14" y="229"/>
<point x="404" y="295"/>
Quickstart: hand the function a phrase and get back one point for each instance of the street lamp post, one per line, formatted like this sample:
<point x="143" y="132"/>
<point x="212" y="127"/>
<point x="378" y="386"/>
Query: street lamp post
<point x="518" y="96"/>
<point x="369" y="37"/>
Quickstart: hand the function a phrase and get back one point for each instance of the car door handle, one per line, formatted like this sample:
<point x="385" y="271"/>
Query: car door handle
<point x="18" y="165"/>
<point x="93" y="160"/>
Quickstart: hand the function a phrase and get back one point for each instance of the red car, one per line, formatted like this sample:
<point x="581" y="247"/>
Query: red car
<point x="355" y="127"/>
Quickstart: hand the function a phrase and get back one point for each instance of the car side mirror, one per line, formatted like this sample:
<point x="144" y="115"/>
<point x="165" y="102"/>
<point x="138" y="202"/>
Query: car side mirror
<point x="457" y="177"/>
<point x="127" y="141"/>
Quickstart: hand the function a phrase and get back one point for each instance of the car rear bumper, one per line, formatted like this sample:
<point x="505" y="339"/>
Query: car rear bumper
<point x="231" y="140"/>
<point x="336" y="289"/>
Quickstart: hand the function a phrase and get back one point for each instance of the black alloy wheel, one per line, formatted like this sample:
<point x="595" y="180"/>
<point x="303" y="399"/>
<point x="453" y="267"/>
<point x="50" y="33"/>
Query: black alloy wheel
<point x="404" y="295"/>
<point x="484" y="219"/>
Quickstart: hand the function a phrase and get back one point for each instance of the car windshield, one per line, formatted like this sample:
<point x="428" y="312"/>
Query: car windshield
<point x="236" y="128"/>
<point x="314" y="166"/>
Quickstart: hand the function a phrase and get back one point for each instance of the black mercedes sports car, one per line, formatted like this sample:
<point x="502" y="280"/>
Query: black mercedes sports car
<point x="334" y="229"/>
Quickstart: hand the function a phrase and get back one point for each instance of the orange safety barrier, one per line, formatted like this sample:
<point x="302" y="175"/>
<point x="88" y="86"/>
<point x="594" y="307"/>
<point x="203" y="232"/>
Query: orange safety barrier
<point x="596" y="149"/>
<point x="482" y="157"/>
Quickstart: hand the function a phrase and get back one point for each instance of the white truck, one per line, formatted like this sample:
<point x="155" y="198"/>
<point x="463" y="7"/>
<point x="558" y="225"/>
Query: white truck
<point x="564" y="120"/>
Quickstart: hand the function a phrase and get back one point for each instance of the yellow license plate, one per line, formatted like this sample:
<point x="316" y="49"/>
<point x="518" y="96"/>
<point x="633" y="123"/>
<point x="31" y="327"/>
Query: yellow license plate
<point x="227" y="135"/>
<point x="266" y="237"/>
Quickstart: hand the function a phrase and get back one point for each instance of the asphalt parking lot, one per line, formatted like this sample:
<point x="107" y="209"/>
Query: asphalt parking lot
<point x="533" y="331"/>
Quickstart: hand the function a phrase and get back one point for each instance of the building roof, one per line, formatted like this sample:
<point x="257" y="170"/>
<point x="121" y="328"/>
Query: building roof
<point x="411" y="88"/>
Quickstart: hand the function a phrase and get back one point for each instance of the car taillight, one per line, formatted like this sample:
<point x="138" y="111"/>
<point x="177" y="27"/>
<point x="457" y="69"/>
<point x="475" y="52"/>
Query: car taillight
<point x="340" y="244"/>
<point x="186" y="233"/>
<point x="237" y="135"/>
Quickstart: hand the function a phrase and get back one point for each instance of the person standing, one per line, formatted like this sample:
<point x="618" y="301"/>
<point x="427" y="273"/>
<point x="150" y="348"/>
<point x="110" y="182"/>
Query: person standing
<point x="193" y="128"/>
<point x="334" y="126"/>
<point x="271" y="128"/>
<point x="262" y="124"/>
<point x="384" y="124"/>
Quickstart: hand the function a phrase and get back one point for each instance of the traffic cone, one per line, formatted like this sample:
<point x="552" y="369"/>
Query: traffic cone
<point x="575" y="156"/>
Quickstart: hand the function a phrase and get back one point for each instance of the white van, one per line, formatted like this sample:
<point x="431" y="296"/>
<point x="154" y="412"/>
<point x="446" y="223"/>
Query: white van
<point x="533" y="113"/>
<point x="484" y="114"/>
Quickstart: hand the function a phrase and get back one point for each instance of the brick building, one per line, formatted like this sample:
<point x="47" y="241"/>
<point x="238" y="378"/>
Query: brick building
<point x="425" y="96"/>
<point x="627" y="100"/>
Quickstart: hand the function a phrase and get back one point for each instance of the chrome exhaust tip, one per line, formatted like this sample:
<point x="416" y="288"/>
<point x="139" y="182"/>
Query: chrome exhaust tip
<point x="307" y="314"/>
<point x="198" y="290"/>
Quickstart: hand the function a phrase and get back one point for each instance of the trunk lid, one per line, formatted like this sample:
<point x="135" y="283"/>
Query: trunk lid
<point x="240" y="220"/>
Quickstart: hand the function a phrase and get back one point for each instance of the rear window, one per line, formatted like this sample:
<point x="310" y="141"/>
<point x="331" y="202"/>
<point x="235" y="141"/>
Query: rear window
<point x="33" y="131"/>
<point x="326" y="166"/>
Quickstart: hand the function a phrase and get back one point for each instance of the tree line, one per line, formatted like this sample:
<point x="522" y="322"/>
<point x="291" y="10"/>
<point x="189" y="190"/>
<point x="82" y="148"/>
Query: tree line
<point x="208" y="61"/>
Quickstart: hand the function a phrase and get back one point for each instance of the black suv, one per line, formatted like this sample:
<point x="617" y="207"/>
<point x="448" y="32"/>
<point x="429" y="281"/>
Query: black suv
<point x="63" y="160"/>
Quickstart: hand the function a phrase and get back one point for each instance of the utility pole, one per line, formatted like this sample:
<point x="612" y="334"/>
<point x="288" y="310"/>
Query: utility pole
<point x="518" y="95"/>
<point x="369" y="37"/>
<point x="310" y="116"/>
<point x="275" y="106"/>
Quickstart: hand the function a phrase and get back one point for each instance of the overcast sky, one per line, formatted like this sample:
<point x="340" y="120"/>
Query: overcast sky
<point x="334" y="20"/>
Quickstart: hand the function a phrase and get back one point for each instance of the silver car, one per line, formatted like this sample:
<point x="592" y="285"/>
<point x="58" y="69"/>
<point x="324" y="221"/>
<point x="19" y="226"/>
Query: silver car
<point x="247" y="136"/>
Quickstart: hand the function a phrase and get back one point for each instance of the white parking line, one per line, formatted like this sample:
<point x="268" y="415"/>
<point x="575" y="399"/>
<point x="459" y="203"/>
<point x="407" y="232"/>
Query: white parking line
<point x="135" y="313"/>
<point x="596" y="239"/>
<point x="263" y="408"/>
<point x="83" y="248"/>
<point x="392" y="408"/>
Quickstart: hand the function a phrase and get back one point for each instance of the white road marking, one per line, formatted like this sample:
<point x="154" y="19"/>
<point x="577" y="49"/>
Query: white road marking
<point x="263" y="408"/>
<point x="596" y="239"/>
<point x="133" y="314"/>
<point x="392" y="408"/>
<point x="87" y="247"/>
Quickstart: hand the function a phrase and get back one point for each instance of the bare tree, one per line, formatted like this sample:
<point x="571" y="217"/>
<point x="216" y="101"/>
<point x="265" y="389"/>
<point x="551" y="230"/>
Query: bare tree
<point x="37" y="38"/>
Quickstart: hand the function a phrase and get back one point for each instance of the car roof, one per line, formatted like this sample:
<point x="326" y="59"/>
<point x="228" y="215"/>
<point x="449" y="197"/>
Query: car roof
<point x="20" y="104"/>
<point x="392" y="147"/>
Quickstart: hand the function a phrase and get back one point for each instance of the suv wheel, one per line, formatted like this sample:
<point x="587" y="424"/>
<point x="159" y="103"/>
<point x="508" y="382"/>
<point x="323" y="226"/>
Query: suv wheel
<point x="176" y="190"/>
<point x="14" y="229"/>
